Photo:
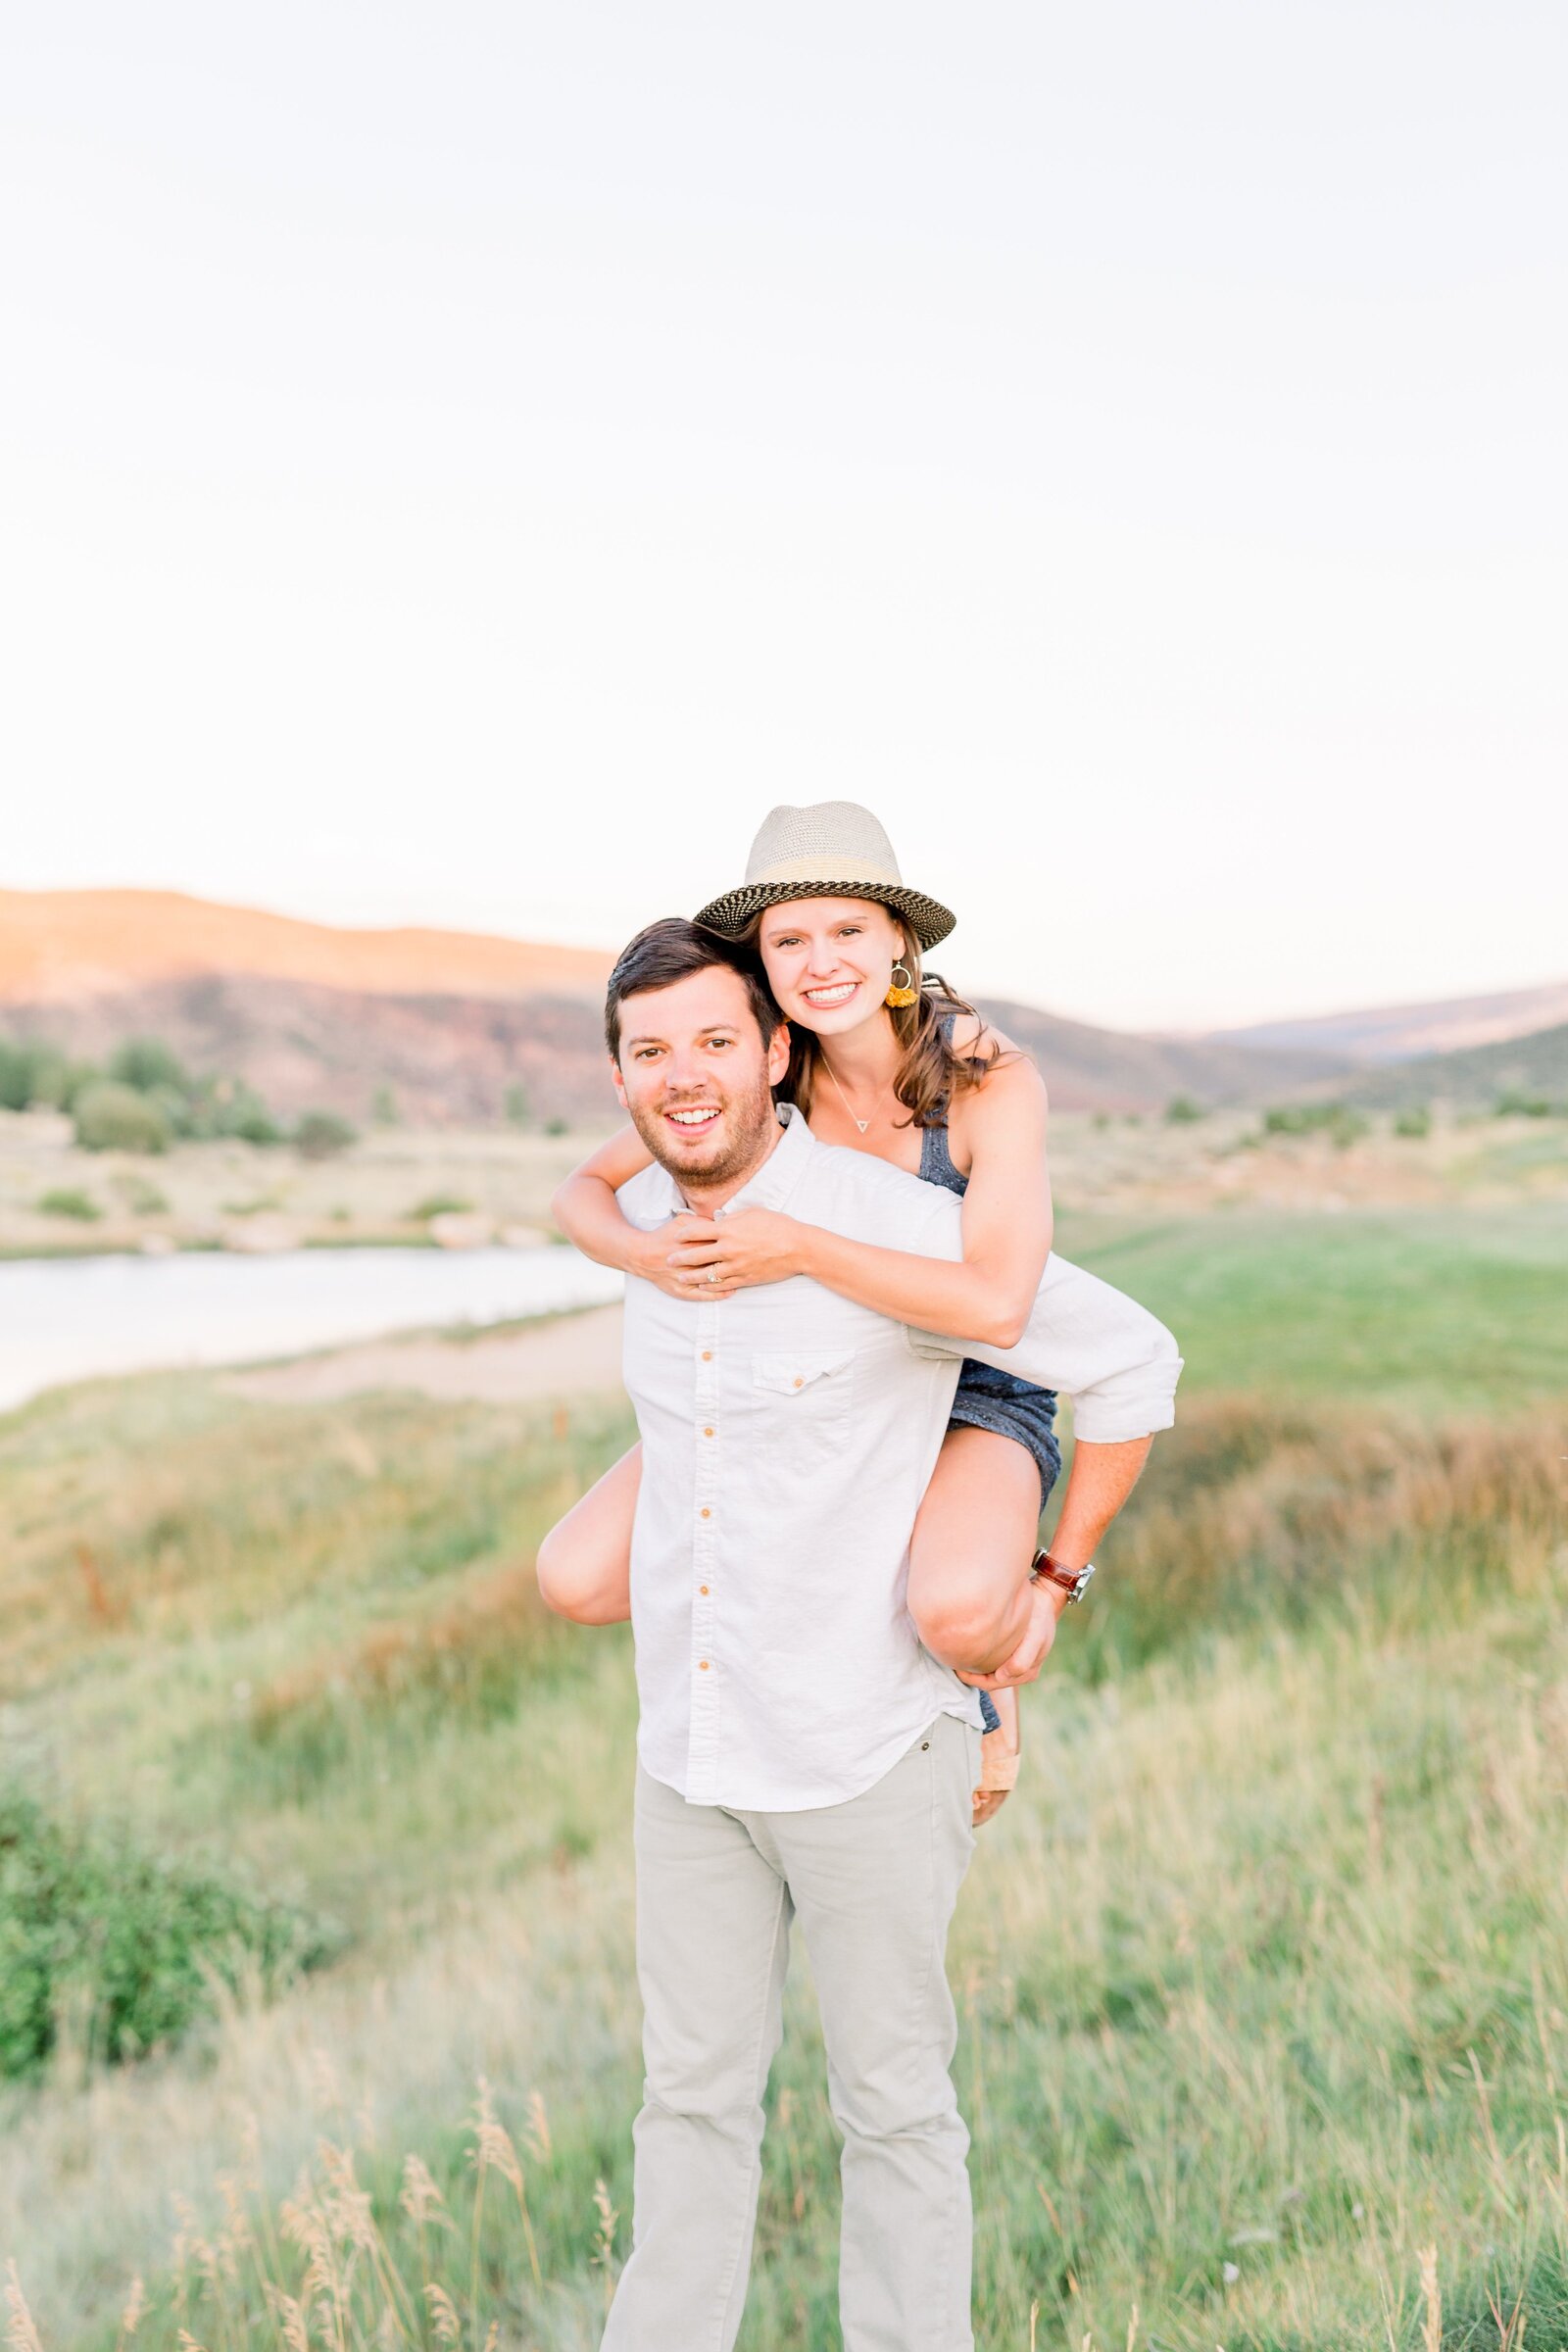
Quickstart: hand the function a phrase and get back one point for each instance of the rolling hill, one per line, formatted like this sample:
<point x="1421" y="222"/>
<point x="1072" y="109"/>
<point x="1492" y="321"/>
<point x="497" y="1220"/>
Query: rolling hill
<point x="70" y="946"/>
<point x="1394" y="1032"/>
<point x="318" y="1017"/>
<point x="1534" y="1066"/>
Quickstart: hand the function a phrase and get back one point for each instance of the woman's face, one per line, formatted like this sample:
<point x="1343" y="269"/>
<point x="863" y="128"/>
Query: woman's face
<point x="829" y="962"/>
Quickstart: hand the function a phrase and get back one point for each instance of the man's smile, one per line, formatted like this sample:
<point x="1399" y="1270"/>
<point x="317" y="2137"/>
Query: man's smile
<point x="694" y="1118"/>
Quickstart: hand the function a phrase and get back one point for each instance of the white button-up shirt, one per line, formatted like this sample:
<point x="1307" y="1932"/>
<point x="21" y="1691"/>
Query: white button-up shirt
<point x="787" y="1438"/>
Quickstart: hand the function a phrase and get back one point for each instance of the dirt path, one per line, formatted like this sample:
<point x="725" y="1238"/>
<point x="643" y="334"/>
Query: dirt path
<point x="567" y="1355"/>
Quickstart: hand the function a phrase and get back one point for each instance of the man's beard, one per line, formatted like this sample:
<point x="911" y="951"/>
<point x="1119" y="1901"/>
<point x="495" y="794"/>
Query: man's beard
<point x="738" y="1140"/>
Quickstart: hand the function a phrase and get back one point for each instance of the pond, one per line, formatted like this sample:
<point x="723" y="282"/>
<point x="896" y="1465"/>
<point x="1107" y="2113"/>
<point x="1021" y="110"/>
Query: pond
<point x="65" y="1319"/>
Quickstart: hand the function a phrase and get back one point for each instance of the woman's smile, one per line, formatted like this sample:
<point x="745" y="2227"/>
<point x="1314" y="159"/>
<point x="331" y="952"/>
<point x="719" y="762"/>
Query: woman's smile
<point x="830" y="995"/>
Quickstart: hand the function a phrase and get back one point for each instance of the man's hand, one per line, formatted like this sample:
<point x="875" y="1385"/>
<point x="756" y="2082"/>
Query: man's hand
<point x="754" y="1244"/>
<point x="1023" y="1664"/>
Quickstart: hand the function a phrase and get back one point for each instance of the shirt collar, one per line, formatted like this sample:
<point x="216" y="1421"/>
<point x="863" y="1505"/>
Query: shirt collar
<point x="779" y="1174"/>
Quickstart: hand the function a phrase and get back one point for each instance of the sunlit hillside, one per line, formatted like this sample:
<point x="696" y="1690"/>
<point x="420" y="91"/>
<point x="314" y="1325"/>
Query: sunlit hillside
<point x="64" y="944"/>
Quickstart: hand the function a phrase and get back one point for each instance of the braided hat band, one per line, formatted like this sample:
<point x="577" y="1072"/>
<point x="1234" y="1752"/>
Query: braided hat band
<point x="831" y="849"/>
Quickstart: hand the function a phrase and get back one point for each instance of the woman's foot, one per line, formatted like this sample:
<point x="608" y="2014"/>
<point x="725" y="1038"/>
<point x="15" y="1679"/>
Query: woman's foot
<point x="999" y="1758"/>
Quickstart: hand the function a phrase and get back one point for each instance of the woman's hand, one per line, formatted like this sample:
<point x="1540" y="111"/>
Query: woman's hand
<point x="658" y="1257"/>
<point x="754" y="1246"/>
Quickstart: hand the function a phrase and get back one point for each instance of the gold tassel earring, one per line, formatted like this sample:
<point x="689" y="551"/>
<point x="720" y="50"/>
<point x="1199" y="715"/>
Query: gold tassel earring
<point x="901" y="991"/>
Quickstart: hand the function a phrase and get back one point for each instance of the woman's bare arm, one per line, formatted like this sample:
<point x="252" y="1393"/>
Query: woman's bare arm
<point x="588" y="1213"/>
<point x="988" y="1294"/>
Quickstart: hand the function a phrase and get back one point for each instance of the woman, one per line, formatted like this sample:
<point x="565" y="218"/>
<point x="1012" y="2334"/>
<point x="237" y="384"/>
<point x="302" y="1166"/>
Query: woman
<point x="884" y="1061"/>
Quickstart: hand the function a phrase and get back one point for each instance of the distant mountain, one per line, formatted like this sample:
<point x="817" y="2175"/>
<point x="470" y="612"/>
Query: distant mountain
<point x="1392" y="1032"/>
<point x="1086" y="1068"/>
<point x="316" y="1018"/>
<point x="1535" y="1067"/>
<point x="66" y="946"/>
<point x="449" y="1061"/>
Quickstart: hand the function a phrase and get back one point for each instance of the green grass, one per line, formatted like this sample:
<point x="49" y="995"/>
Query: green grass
<point x="1266" y="1965"/>
<point x="1439" y="1310"/>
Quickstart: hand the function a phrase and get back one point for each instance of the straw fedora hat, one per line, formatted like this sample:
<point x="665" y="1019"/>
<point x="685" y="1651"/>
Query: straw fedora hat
<point x="832" y="850"/>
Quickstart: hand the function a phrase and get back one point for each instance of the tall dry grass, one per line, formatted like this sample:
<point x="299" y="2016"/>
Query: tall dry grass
<point x="1263" y="1973"/>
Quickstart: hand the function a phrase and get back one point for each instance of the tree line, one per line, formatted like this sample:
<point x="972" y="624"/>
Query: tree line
<point x="143" y="1098"/>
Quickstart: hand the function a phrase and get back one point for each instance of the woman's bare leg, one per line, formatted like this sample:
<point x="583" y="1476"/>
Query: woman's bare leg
<point x="974" y="1538"/>
<point x="968" y="1576"/>
<point x="584" y="1564"/>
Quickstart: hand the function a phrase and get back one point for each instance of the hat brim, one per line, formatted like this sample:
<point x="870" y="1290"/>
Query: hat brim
<point x="730" y="913"/>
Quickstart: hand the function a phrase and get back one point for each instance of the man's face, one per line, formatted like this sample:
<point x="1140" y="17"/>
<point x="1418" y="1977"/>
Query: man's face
<point x="696" y="1076"/>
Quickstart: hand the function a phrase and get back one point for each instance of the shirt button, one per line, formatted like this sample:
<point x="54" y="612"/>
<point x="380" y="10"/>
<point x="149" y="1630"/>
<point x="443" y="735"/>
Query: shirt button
<point x="707" y="1432"/>
<point x="702" y="1588"/>
<point x="705" y="1512"/>
<point x="707" y="1355"/>
<point x="702" y="1665"/>
<point x="799" y="1381"/>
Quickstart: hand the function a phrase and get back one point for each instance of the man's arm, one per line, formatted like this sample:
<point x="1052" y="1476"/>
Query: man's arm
<point x="1098" y="1483"/>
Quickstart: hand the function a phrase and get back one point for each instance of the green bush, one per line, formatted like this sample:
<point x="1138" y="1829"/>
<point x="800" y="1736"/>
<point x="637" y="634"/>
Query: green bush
<point x="63" y="1203"/>
<point x="31" y="1072"/>
<point x="1337" y="1120"/>
<point x="1181" y="1111"/>
<point x="322" y="1133"/>
<point x="1416" y="1122"/>
<point x="147" y="1063"/>
<point x="516" y="1106"/>
<point x="129" y="1945"/>
<point x="143" y="1200"/>
<point x="1514" y="1103"/>
<point x="112" y="1117"/>
<point x="439" y="1205"/>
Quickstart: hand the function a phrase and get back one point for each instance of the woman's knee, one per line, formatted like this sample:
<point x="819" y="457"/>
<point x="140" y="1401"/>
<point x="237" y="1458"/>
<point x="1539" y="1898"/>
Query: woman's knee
<point x="964" y="1611"/>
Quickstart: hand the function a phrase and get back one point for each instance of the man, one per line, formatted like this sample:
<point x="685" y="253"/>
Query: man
<point x="801" y="1754"/>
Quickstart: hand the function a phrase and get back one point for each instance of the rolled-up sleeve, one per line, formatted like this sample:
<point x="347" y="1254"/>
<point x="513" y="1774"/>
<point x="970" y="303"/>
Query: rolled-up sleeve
<point x="1091" y="1341"/>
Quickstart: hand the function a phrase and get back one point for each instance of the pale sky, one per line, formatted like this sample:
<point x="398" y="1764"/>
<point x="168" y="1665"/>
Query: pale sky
<point x="463" y="464"/>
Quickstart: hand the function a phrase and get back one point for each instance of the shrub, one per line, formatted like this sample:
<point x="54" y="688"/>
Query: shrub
<point x="30" y="1073"/>
<point x="1514" y="1103"/>
<point x="384" y="1106"/>
<point x="63" y="1203"/>
<point x="112" y="1117"/>
<point x="439" y="1205"/>
<point x="143" y="1200"/>
<point x="255" y="1126"/>
<point x="322" y="1133"/>
<point x="1337" y="1120"/>
<point x="127" y="1942"/>
<point x="1181" y="1111"/>
<point x="1416" y="1122"/>
<point x="146" y="1062"/>
<point x="556" y="1126"/>
<point x="516" y="1106"/>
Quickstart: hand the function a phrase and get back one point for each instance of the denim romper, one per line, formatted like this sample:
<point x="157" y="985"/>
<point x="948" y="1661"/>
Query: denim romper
<point x="987" y="1398"/>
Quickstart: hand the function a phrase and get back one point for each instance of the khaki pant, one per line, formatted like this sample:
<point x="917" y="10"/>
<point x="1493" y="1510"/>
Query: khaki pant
<point x="874" y="1882"/>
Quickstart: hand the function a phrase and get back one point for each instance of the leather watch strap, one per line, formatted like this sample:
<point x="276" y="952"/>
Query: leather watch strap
<point x="1047" y="1571"/>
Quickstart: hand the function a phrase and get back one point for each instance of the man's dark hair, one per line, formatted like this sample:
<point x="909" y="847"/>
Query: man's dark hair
<point x="671" y="949"/>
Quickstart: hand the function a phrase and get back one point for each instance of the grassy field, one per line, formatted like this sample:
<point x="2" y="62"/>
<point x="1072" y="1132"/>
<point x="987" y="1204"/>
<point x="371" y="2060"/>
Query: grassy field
<point x="1263" y="1971"/>
<point x="1435" y="1310"/>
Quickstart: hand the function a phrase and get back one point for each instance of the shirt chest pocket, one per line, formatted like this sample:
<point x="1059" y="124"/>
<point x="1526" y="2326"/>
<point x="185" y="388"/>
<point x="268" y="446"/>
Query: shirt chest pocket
<point x="805" y="1402"/>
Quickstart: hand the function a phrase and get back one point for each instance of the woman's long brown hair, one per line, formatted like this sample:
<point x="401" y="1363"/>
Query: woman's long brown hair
<point x="929" y="1073"/>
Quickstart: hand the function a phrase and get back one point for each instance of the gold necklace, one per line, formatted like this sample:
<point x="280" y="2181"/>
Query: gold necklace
<point x="862" y="1124"/>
